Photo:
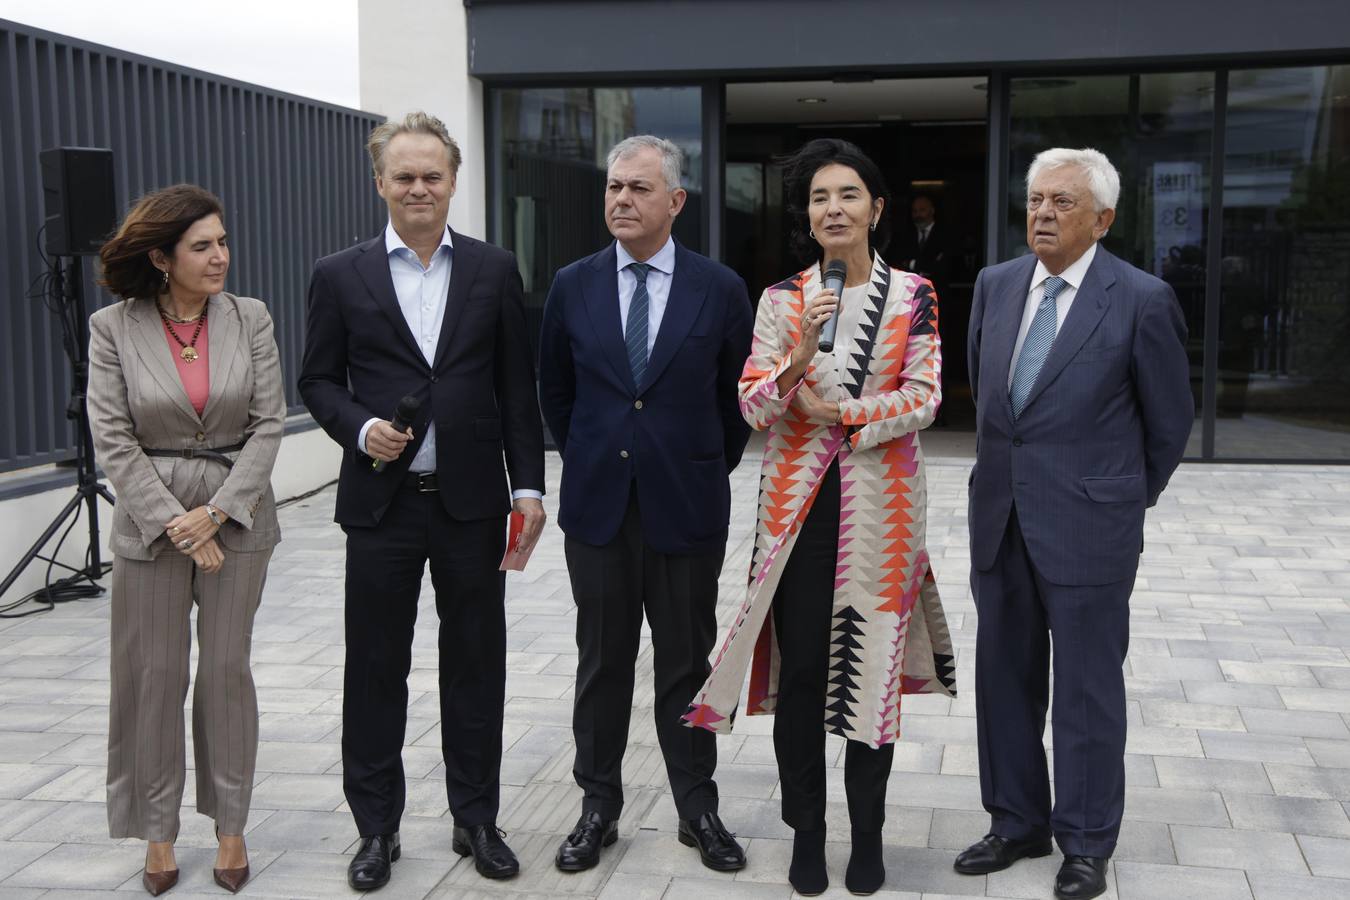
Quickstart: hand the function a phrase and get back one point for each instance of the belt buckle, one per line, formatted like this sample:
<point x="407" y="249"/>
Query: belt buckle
<point x="189" y="452"/>
<point x="426" y="483"/>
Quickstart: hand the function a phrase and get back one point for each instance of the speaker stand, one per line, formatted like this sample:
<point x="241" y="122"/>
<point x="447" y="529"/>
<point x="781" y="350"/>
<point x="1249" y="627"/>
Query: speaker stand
<point x="68" y="294"/>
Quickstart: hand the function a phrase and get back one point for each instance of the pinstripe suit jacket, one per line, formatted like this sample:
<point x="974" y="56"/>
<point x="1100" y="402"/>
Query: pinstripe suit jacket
<point x="137" y="400"/>
<point x="1105" y="425"/>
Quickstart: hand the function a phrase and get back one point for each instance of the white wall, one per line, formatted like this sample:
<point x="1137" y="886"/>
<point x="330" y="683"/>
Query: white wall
<point x="307" y="460"/>
<point x="414" y="55"/>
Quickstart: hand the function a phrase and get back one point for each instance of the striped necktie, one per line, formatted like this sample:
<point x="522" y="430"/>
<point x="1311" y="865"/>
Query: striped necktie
<point x="635" y="336"/>
<point x="1040" y="338"/>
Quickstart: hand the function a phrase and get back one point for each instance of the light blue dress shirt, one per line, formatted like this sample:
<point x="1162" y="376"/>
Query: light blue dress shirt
<point x="1074" y="275"/>
<point x="422" y="293"/>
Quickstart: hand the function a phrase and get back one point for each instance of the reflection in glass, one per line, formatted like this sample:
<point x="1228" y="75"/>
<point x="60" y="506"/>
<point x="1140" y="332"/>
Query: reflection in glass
<point x="550" y="146"/>
<point x="1284" y="326"/>
<point x="1156" y="129"/>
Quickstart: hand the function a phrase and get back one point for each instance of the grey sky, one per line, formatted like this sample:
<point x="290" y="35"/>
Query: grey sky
<point x="306" y="47"/>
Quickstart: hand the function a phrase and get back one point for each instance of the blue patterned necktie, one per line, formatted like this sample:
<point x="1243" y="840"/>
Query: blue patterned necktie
<point x="1040" y="338"/>
<point x="635" y="337"/>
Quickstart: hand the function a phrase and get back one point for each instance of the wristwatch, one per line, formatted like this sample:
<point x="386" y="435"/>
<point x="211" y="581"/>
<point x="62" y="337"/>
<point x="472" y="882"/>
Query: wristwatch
<point x="214" y="515"/>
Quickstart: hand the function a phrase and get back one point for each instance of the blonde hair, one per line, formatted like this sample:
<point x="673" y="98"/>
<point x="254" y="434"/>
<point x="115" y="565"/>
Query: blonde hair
<point x="416" y="122"/>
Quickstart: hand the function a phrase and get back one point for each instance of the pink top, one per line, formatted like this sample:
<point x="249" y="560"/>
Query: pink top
<point x="196" y="375"/>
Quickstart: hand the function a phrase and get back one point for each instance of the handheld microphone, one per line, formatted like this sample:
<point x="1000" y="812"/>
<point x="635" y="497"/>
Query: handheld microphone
<point x="404" y="416"/>
<point x="835" y="273"/>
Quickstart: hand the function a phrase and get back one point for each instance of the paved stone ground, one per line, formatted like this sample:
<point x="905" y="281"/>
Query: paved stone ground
<point x="1239" y="752"/>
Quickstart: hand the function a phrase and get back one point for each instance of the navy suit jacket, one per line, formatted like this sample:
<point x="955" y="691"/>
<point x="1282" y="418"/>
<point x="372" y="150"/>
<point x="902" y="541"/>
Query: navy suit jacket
<point x="1105" y="426"/>
<point x="361" y="359"/>
<point x="677" y="435"/>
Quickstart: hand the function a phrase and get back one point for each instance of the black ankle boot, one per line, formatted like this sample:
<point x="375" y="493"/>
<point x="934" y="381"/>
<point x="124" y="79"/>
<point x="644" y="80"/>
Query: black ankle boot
<point x="866" y="872"/>
<point x="807" y="872"/>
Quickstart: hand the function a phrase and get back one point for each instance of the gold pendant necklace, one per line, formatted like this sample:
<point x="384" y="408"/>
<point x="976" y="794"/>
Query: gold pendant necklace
<point x="188" y="352"/>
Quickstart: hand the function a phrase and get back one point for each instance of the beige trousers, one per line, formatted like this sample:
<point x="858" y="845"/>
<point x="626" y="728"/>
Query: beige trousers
<point x="151" y="647"/>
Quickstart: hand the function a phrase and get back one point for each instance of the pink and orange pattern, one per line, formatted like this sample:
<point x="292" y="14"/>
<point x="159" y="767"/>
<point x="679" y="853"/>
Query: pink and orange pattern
<point x="889" y="635"/>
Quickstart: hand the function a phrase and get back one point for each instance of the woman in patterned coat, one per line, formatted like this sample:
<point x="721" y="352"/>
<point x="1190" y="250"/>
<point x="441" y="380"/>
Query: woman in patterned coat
<point x="839" y="554"/>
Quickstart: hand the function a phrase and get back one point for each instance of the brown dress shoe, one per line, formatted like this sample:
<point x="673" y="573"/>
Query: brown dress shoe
<point x="156" y="883"/>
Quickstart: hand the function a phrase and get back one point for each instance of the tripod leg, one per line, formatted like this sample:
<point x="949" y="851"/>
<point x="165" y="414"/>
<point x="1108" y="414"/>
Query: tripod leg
<point x="95" y="569"/>
<point x="71" y="508"/>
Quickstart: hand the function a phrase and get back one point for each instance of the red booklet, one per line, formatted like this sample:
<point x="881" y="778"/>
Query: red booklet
<point x="517" y="552"/>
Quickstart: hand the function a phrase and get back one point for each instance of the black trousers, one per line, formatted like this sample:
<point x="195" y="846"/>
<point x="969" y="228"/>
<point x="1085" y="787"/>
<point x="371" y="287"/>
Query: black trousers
<point x="384" y="576"/>
<point x="802" y="615"/>
<point x="1021" y="615"/>
<point x="612" y="586"/>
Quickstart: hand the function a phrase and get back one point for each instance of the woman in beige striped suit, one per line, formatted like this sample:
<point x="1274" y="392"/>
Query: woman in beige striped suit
<point x="186" y="406"/>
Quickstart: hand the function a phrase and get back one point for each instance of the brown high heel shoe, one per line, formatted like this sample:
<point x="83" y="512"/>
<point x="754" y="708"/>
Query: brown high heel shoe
<point x="231" y="879"/>
<point x="156" y="883"/>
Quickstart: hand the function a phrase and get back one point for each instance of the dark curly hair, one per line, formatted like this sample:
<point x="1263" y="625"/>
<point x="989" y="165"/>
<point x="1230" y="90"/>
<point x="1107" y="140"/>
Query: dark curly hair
<point x="798" y="170"/>
<point x="157" y="221"/>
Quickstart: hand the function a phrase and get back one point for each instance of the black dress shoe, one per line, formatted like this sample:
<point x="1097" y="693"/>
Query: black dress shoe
<point x="992" y="853"/>
<point x="1081" y="877"/>
<point x="580" y="850"/>
<point x="491" y="857"/>
<point x="369" y="868"/>
<point x="715" y="844"/>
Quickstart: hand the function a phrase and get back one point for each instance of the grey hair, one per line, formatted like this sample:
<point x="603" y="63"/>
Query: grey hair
<point x="672" y="157"/>
<point x="1103" y="179"/>
<point x="416" y="122"/>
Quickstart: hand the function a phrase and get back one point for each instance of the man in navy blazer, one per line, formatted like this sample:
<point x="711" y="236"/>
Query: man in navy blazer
<point x="1083" y="406"/>
<point x="424" y="312"/>
<point x="641" y="349"/>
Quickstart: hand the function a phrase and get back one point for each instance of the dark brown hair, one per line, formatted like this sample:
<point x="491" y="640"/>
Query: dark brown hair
<point x="157" y="221"/>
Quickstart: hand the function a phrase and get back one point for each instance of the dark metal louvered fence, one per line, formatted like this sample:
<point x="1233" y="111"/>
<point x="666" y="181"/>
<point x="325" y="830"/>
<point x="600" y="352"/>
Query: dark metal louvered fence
<point x="291" y="172"/>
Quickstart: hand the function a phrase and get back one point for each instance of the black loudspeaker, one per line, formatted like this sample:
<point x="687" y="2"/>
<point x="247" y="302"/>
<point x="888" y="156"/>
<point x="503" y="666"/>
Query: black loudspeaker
<point x="77" y="188"/>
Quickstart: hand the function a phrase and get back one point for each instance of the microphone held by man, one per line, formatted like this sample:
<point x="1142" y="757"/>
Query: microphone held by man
<point x="401" y="426"/>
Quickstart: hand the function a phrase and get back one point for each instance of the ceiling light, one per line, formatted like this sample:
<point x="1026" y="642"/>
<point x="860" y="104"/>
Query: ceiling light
<point x="810" y="99"/>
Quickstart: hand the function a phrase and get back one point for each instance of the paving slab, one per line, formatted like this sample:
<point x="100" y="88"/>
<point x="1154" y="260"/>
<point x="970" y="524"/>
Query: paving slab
<point x="1238" y="764"/>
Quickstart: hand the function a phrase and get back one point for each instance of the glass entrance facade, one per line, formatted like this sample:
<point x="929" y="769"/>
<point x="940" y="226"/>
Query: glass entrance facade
<point x="1235" y="190"/>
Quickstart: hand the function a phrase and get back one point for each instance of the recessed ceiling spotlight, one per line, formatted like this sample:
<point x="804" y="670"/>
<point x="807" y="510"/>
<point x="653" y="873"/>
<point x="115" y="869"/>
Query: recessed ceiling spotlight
<point x="810" y="99"/>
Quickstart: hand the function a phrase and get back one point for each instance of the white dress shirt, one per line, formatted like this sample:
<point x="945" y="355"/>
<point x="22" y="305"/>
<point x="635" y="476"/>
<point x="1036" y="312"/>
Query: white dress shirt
<point x="422" y="293"/>
<point x="1074" y="275"/>
<point x="658" y="287"/>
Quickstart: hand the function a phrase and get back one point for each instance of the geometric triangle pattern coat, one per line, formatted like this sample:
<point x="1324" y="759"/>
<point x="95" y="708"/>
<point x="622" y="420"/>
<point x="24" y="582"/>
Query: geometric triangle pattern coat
<point x="889" y="635"/>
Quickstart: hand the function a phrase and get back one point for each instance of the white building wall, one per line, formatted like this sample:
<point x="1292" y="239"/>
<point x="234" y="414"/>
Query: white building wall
<point x="307" y="460"/>
<point x="414" y="55"/>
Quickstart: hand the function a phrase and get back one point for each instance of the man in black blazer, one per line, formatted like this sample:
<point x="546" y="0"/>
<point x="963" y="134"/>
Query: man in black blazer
<point x="641" y="349"/>
<point x="424" y="312"/>
<point x="923" y="243"/>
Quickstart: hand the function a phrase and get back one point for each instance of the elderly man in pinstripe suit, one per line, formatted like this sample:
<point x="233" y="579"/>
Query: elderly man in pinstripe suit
<point x="1083" y="406"/>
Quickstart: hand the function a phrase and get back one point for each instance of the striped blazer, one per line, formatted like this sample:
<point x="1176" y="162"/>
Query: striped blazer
<point x="137" y="400"/>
